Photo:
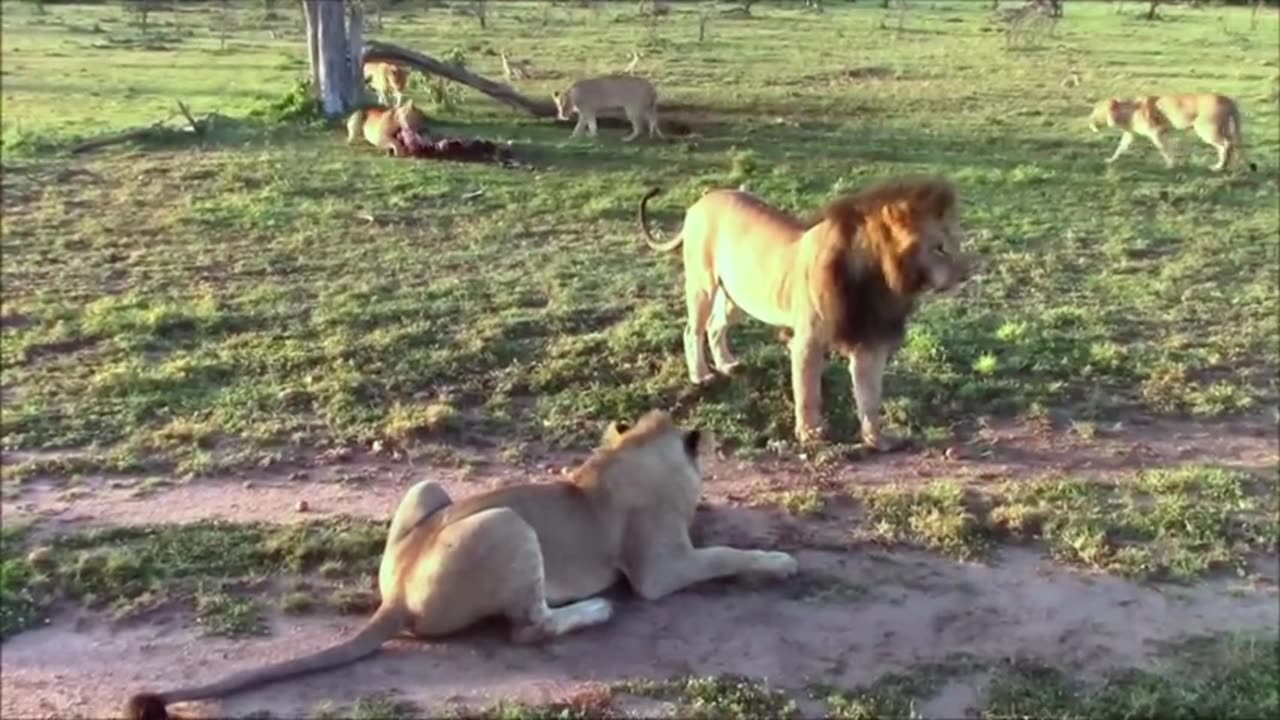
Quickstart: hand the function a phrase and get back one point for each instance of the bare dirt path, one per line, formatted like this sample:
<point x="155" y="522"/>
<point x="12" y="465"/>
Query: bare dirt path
<point x="885" y="611"/>
<point x="855" y="612"/>
<point x="1008" y="452"/>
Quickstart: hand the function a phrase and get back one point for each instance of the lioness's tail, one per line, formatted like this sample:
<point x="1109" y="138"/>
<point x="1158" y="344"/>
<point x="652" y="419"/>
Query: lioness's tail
<point x="644" y="226"/>
<point x="1236" y="134"/>
<point x="385" y="622"/>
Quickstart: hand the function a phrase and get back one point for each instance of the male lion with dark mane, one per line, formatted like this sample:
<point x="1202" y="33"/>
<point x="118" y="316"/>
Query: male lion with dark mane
<point x="849" y="280"/>
<point x="536" y="553"/>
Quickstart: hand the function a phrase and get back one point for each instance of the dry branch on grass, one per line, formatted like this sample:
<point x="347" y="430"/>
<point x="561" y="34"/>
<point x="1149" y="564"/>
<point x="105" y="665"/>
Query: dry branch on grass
<point x="197" y="128"/>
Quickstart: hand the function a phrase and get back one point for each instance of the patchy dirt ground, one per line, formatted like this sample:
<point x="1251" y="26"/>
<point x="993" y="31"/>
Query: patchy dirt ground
<point x="854" y="613"/>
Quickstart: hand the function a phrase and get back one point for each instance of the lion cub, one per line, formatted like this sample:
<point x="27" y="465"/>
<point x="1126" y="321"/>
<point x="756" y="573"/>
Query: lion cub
<point x="384" y="77"/>
<point x="1216" y="120"/>
<point x="381" y="126"/>
<point x="635" y="95"/>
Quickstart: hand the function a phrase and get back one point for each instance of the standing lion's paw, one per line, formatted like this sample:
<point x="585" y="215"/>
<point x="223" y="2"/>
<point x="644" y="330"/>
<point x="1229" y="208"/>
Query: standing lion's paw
<point x="703" y="378"/>
<point x="807" y="434"/>
<point x="882" y="442"/>
<point x="778" y="564"/>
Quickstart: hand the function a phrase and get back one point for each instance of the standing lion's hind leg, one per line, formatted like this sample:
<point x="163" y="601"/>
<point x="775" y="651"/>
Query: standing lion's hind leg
<point x="723" y="313"/>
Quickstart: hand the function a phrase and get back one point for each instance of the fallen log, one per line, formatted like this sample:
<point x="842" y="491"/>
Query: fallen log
<point x="385" y="52"/>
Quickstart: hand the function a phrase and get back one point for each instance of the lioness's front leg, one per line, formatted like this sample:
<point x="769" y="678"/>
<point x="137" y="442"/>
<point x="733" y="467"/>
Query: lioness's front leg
<point x="636" y="127"/>
<point x="694" y="565"/>
<point x="806" y="384"/>
<point x="1125" y="141"/>
<point x="1161" y="142"/>
<point x="866" y="368"/>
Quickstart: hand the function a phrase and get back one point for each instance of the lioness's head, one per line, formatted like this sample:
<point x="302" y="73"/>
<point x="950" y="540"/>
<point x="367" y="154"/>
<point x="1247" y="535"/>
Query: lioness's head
<point x="562" y="104"/>
<point x="1104" y="114"/>
<point x="409" y="117"/>
<point x="654" y="429"/>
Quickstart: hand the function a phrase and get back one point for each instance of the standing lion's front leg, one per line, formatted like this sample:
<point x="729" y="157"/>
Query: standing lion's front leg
<point x="806" y="385"/>
<point x="866" y="367"/>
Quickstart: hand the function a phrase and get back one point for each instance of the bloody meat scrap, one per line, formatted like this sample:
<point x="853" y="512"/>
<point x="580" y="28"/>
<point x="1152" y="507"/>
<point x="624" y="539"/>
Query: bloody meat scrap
<point x="450" y="148"/>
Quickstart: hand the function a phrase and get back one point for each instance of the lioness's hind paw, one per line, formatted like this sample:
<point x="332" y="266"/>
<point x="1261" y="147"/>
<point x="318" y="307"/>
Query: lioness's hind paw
<point x="779" y="564"/>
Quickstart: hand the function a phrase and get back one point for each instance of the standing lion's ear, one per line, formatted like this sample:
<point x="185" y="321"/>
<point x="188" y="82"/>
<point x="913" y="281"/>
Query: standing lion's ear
<point x="691" y="440"/>
<point x="896" y="214"/>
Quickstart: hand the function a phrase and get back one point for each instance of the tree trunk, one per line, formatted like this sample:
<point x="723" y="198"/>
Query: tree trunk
<point x="335" y="71"/>
<point x="497" y="91"/>
<point x="313" y="42"/>
<point x="1151" y="9"/>
<point x="355" y="53"/>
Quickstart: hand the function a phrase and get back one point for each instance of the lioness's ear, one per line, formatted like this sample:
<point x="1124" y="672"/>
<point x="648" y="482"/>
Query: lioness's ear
<point x="614" y="432"/>
<point x="691" y="440"/>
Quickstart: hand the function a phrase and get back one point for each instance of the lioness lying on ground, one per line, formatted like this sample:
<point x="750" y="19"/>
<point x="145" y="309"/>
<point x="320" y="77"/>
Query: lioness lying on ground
<point x="522" y="551"/>
<point x="383" y="127"/>
<point x="588" y="97"/>
<point x="1215" y="117"/>
<point x="848" y="279"/>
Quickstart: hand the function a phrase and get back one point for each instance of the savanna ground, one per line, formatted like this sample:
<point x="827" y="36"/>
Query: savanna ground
<point x="197" y="335"/>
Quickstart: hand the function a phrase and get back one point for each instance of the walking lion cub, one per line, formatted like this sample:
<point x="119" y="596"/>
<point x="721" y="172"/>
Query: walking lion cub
<point x="635" y="95"/>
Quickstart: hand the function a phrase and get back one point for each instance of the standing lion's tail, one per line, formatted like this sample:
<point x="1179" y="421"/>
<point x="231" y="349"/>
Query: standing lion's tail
<point x="644" y="226"/>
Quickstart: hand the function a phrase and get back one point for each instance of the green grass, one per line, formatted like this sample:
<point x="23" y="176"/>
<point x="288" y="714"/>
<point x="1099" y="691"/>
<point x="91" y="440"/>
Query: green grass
<point x="1228" y="676"/>
<point x="893" y="695"/>
<point x="1169" y="524"/>
<point x="220" y="613"/>
<point x="126" y="570"/>
<point x="381" y="706"/>
<point x="195" y="310"/>
<point x="1215" y="676"/>
<point x="717" y="697"/>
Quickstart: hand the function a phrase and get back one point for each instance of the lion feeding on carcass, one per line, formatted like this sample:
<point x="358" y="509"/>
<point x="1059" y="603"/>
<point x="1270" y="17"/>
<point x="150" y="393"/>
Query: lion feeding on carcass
<point x="849" y="280"/>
